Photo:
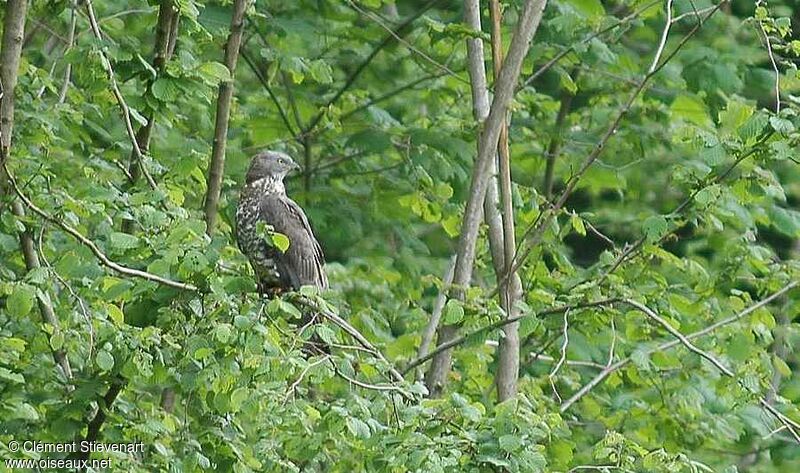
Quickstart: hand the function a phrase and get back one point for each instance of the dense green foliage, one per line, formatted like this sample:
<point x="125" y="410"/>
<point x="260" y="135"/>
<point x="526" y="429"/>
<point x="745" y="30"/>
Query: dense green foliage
<point x="691" y="209"/>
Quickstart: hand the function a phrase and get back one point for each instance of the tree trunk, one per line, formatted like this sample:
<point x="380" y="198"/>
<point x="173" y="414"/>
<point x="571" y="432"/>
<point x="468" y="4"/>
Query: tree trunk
<point x="504" y="90"/>
<point x="217" y="165"/>
<point x="10" y="51"/>
<point x="510" y="284"/>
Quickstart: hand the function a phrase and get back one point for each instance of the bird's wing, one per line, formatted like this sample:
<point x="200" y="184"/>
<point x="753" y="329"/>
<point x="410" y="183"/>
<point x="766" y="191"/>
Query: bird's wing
<point x="302" y="263"/>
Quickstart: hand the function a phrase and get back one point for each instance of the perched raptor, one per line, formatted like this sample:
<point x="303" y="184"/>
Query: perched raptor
<point x="264" y="199"/>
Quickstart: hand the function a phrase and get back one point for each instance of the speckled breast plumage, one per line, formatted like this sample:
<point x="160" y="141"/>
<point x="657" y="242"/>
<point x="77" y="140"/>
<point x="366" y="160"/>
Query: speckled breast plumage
<point x="252" y="245"/>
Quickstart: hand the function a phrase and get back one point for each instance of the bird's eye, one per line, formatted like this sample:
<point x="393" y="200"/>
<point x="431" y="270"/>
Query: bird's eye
<point x="281" y="161"/>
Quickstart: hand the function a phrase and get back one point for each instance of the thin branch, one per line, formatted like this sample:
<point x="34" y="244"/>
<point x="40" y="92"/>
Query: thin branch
<point x="103" y="259"/>
<point x="62" y="95"/>
<point x="586" y="364"/>
<point x="296" y="383"/>
<point x="536" y="231"/>
<point x="265" y="84"/>
<point x="402" y="41"/>
<point x="695" y="13"/>
<point x="401" y="30"/>
<point x="563" y="358"/>
<point x="774" y="64"/>
<point x="664" y="36"/>
<point x="463" y="338"/>
<point x="546" y="66"/>
<point x="68" y="287"/>
<point x="436" y="313"/>
<point x="790" y="424"/>
<point x="362" y="384"/>
<point x="126" y="115"/>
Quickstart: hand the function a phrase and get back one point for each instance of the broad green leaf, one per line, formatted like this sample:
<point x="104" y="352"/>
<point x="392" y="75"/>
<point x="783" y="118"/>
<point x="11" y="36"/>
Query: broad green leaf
<point x="654" y="227"/>
<point x="21" y="300"/>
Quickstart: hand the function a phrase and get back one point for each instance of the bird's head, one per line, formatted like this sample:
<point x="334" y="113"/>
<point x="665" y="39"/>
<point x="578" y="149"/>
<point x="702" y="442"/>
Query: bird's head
<point x="270" y="164"/>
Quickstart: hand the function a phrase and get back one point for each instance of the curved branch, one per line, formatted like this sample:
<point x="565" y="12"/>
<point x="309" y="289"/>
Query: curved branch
<point x="104" y="260"/>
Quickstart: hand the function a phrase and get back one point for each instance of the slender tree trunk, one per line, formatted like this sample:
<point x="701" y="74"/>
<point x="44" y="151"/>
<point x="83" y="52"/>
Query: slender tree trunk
<point x="436" y="314"/>
<point x="10" y="51"/>
<point x="510" y="287"/>
<point x="529" y="19"/>
<point x="217" y="165"/>
<point x="166" y="32"/>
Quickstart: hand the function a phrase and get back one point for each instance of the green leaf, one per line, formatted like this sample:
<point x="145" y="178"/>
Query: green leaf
<point x="781" y="125"/>
<point x="654" y="228"/>
<point x="691" y="109"/>
<point x="510" y="443"/>
<point x="165" y="89"/>
<point x="786" y="221"/>
<point x="781" y="366"/>
<point x="104" y="360"/>
<point x="21" y="300"/>
<point x="238" y="397"/>
<point x="123" y="241"/>
<point x="280" y="241"/>
<point x="358" y="428"/>
<point x="214" y="72"/>
<point x="223" y="333"/>
<point x="10" y="376"/>
<point x="588" y="8"/>
<point x="453" y="312"/>
<point x="577" y="225"/>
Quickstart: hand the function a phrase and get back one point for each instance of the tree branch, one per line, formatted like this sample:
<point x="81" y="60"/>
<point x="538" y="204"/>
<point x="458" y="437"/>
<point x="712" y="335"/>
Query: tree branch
<point x="217" y="165"/>
<point x="103" y="259"/>
<point x="401" y="30"/>
<point x="685" y="340"/>
<point x="527" y="25"/>
<point x="536" y="231"/>
<point x="500" y="323"/>
<point x="10" y="52"/>
<point x="126" y="115"/>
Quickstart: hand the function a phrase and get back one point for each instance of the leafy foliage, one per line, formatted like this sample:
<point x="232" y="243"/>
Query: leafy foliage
<point x="691" y="209"/>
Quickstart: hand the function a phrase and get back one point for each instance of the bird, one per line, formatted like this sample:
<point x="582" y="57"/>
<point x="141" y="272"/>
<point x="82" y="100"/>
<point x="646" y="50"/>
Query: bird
<point x="263" y="198"/>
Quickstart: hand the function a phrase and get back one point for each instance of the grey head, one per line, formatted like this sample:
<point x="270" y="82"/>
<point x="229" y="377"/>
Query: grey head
<point x="274" y="165"/>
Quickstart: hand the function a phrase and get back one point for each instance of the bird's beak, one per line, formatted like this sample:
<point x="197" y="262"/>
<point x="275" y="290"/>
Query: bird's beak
<point x="295" y="166"/>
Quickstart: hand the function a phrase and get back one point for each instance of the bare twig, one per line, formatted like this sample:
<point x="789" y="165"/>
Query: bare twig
<point x="126" y="115"/>
<point x="296" y="383"/>
<point x="62" y="95"/>
<point x="560" y="362"/>
<point x="362" y="384"/>
<point x="103" y="259"/>
<point x="774" y="64"/>
<point x="664" y="36"/>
